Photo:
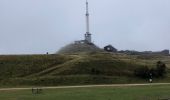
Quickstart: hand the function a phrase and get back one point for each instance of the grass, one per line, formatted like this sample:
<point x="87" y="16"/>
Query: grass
<point x="95" y="93"/>
<point x="74" y="69"/>
<point x="24" y="65"/>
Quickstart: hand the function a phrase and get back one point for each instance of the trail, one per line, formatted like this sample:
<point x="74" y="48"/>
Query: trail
<point x="55" y="67"/>
<point x="86" y="86"/>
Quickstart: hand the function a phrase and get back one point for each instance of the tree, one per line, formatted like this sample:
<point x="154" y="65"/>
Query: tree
<point x="142" y="72"/>
<point x="161" y="69"/>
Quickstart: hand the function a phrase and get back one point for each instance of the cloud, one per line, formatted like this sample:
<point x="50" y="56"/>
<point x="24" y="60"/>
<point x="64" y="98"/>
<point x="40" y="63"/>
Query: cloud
<point x="39" y="26"/>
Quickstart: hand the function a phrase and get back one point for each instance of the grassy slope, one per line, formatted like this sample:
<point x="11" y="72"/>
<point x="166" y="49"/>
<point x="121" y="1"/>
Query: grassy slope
<point x="100" y="93"/>
<point x="91" y="68"/>
<point x="21" y="66"/>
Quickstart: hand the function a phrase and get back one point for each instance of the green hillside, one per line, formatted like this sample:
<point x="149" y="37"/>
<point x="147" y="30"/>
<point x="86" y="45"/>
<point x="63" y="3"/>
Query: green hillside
<point x="74" y="69"/>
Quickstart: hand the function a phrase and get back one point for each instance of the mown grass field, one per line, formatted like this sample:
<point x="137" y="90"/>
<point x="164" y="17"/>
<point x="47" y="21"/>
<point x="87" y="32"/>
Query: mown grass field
<point x="94" y="93"/>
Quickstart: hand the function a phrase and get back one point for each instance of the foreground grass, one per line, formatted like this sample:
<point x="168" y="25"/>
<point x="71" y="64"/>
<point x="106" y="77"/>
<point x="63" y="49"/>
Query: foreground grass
<point x="96" y="93"/>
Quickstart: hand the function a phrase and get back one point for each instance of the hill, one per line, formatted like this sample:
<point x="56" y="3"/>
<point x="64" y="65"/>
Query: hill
<point x="74" y="69"/>
<point x="79" y="48"/>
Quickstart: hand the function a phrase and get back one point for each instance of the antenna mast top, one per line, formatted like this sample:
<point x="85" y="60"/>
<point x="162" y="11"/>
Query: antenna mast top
<point x="87" y="8"/>
<point x="87" y="35"/>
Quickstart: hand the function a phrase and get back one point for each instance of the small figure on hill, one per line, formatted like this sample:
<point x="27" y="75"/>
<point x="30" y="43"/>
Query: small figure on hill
<point x="151" y="78"/>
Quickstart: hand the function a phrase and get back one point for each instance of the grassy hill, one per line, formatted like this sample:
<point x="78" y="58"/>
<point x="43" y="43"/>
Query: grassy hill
<point x="78" y="48"/>
<point x="74" y="69"/>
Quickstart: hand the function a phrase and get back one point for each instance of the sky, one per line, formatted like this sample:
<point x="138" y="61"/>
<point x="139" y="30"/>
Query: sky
<point x="40" y="26"/>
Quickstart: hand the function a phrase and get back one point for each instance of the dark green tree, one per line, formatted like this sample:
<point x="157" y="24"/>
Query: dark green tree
<point x="161" y="69"/>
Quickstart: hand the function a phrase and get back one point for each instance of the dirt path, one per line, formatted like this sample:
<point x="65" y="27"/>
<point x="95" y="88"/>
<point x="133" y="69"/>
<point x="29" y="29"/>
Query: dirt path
<point x="86" y="86"/>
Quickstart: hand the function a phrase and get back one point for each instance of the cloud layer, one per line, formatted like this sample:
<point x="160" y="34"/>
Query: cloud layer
<point x="40" y="26"/>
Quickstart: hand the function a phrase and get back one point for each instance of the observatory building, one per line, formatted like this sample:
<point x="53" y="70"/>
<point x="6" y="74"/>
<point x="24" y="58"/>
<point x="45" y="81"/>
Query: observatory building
<point x="85" y="45"/>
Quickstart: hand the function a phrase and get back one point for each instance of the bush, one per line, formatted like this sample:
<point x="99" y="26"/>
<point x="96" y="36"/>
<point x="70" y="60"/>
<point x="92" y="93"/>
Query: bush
<point x="142" y="72"/>
<point x="145" y="72"/>
<point x="161" y="69"/>
<point x="95" y="71"/>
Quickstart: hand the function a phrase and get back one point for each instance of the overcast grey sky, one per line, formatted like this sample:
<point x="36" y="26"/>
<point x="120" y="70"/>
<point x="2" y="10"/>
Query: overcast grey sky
<point x="38" y="26"/>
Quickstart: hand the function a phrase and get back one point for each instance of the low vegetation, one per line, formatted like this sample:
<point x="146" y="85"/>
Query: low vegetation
<point x="145" y="72"/>
<point x="82" y="68"/>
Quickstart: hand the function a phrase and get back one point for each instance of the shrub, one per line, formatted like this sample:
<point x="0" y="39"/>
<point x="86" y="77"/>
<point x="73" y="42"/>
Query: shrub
<point x="95" y="71"/>
<point x="145" y="72"/>
<point x="142" y="72"/>
<point x="161" y="69"/>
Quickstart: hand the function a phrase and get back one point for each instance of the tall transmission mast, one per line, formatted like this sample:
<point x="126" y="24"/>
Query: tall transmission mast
<point x="87" y="35"/>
